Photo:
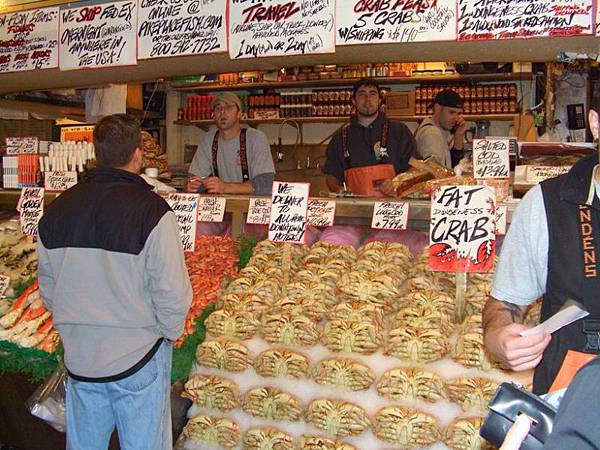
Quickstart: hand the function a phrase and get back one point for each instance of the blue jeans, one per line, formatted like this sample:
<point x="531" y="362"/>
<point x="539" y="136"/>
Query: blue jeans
<point x="139" y="406"/>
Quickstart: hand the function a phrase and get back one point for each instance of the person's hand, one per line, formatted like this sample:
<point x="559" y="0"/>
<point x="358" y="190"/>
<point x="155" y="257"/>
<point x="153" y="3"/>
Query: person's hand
<point x="461" y="127"/>
<point x="214" y="185"/>
<point x="514" y="351"/>
<point x="386" y="188"/>
<point x="517" y="433"/>
<point x="193" y="184"/>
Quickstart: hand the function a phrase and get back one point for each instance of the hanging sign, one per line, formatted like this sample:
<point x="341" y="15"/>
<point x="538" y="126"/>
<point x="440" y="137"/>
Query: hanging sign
<point x="29" y="40"/>
<point x="185" y="207"/>
<point x="259" y="211"/>
<point x="79" y="133"/>
<point x="102" y="35"/>
<point x="390" y="215"/>
<point x="375" y="22"/>
<point x="490" y="19"/>
<point x="536" y="174"/>
<point x="491" y="158"/>
<point x="21" y="145"/>
<point x="280" y="28"/>
<point x="288" y="212"/>
<point x="31" y="209"/>
<point x="211" y="209"/>
<point x="181" y="27"/>
<point x="321" y="213"/>
<point x="462" y="229"/>
<point x="59" y="180"/>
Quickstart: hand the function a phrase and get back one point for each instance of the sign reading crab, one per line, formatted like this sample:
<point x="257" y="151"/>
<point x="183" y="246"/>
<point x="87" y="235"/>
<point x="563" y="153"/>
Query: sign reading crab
<point x="461" y="237"/>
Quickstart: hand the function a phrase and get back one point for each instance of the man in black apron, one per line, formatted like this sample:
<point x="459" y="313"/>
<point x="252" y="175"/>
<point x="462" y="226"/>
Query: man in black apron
<point x="232" y="159"/>
<point x="552" y="249"/>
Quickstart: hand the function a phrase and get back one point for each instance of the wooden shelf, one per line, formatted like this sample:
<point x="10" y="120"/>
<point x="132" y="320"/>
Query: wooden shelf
<point x="213" y="86"/>
<point x="71" y="112"/>
<point x="255" y="122"/>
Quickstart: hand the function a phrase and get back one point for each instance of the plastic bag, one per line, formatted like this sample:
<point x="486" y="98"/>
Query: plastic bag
<point x="48" y="401"/>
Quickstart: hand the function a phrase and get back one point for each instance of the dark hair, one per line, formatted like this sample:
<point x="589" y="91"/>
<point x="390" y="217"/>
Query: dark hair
<point x="365" y="82"/>
<point x="115" y="139"/>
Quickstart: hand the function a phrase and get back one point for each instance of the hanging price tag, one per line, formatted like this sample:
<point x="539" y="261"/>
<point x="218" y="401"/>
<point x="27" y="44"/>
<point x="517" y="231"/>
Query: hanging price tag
<point x="321" y="213"/>
<point x="259" y="211"/>
<point x="390" y="215"/>
<point x="491" y="158"/>
<point x="211" y="209"/>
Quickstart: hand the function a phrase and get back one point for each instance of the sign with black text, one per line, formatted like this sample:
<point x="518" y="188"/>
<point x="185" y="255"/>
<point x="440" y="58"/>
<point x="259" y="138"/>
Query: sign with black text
<point x="501" y="219"/>
<point x="101" y="35"/>
<point x="21" y="145"/>
<point x="490" y="19"/>
<point x="211" y="209"/>
<point x="59" y="180"/>
<point x="259" y="211"/>
<point x="4" y="285"/>
<point x="31" y="209"/>
<point x="321" y="213"/>
<point x="185" y="207"/>
<point x="280" y="28"/>
<point x="390" y="215"/>
<point x="462" y="229"/>
<point x="181" y="27"/>
<point x="491" y="158"/>
<point x="384" y="21"/>
<point x="29" y="40"/>
<point x="289" y="212"/>
<point x="537" y="174"/>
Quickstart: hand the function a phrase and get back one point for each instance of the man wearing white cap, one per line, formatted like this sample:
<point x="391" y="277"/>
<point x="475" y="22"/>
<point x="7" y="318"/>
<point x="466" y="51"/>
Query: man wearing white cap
<point x="231" y="160"/>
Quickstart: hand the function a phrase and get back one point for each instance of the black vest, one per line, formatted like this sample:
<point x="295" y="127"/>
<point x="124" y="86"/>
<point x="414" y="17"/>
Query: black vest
<point x="573" y="214"/>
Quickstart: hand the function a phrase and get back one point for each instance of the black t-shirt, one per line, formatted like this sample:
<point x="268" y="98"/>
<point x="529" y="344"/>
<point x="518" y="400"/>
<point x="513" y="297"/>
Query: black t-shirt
<point x="361" y="147"/>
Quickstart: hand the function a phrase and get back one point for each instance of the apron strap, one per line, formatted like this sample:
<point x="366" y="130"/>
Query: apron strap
<point x="215" y="151"/>
<point x="243" y="155"/>
<point x="385" y="132"/>
<point x="345" y="150"/>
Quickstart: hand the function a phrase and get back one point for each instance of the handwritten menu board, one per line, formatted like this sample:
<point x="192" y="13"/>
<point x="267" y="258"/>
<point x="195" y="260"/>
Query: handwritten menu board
<point x="181" y="27"/>
<point x="29" y="40"/>
<point x="21" y="145"/>
<point x="185" y="207"/>
<point x="536" y="174"/>
<point x="280" y="28"/>
<point x="211" y="209"/>
<point x="462" y="229"/>
<point x="373" y="22"/>
<point x="390" y="215"/>
<point x="490" y="19"/>
<point x="31" y="209"/>
<point x="259" y="211"/>
<point x="491" y="158"/>
<point x="288" y="212"/>
<point x="102" y="35"/>
<point x="59" y="180"/>
<point x="321" y="213"/>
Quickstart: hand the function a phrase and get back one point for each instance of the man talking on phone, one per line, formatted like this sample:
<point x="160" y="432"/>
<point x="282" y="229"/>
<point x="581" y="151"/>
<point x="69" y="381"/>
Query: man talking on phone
<point x="443" y="134"/>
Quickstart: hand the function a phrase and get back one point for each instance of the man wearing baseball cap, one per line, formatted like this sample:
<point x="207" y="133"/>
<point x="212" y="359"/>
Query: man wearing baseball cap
<point x="231" y="159"/>
<point x="443" y="134"/>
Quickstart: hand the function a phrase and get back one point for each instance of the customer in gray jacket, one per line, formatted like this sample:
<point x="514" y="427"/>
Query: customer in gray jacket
<point x="112" y="272"/>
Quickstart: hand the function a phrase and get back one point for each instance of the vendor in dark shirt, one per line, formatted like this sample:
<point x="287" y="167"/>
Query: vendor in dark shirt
<point x="367" y="153"/>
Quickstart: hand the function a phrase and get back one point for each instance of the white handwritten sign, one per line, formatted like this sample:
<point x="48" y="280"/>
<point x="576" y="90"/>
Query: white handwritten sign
<point x="211" y="209"/>
<point x="102" y="35"/>
<point x="181" y="27"/>
<point x="462" y="229"/>
<point x="4" y="285"/>
<point x="288" y="212"/>
<point x="536" y="174"/>
<point x="29" y="40"/>
<point x="390" y="215"/>
<point x="490" y="19"/>
<point x="259" y="211"/>
<point x="321" y="213"/>
<point x="31" y="209"/>
<point x="280" y="28"/>
<point x="491" y="158"/>
<point x="362" y="22"/>
<point x="185" y="207"/>
<point x="501" y="216"/>
<point x="21" y="145"/>
<point x="59" y="180"/>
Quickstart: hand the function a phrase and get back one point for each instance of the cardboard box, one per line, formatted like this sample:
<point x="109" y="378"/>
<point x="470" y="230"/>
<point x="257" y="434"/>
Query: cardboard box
<point x="400" y="103"/>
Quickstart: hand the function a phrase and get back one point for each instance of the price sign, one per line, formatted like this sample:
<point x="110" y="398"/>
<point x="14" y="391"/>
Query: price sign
<point x="4" y="285"/>
<point x="390" y="215"/>
<point x="536" y="174"/>
<point x="211" y="209"/>
<point x="31" y="209"/>
<point x="259" y="211"/>
<point x="79" y="133"/>
<point x="288" y="212"/>
<point x="21" y="145"/>
<point x="185" y="207"/>
<point x="462" y="230"/>
<point x="501" y="213"/>
<point x="60" y="181"/>
<point x="321" y="213"/>
<point x="491" y="158"/>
